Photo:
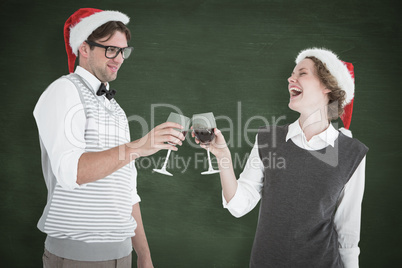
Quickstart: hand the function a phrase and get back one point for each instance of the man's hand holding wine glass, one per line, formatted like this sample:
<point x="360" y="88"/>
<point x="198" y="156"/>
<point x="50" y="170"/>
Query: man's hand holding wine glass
<point x="163" y="136"/>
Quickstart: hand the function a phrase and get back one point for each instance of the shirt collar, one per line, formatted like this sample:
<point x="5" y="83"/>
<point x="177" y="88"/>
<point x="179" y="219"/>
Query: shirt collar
<point x="328" y="136"/>
<point x="91" y="80"/>
<point x="294" y="129"/>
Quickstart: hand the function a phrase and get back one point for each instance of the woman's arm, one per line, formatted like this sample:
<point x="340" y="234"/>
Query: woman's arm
<point x="239" y="196"/>
<point x="348" y="215"/>
<point x="219" y="148"/>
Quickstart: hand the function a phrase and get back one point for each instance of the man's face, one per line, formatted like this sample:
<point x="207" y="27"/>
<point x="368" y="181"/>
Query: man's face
<point x="103" y="68"/>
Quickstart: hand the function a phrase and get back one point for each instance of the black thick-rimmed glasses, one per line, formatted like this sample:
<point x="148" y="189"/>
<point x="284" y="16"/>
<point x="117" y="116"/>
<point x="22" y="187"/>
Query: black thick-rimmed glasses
<point x="111" y="52"/>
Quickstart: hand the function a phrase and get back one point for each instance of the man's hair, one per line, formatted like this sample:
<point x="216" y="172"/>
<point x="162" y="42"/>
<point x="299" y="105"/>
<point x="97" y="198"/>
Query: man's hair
<point x="337" y="95"/>
<point x="108" y="29"/>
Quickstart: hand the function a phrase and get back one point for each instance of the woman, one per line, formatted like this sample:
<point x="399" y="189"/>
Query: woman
<point x="311" y="204"/>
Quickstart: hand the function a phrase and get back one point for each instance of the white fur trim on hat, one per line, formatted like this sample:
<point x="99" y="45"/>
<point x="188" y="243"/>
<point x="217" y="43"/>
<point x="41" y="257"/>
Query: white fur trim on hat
<point x="80" y="32"/>
<point x="335" y="66"/>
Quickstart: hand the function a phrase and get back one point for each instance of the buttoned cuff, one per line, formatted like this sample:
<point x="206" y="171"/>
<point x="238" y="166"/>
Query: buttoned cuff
<point x="350" y="257"/>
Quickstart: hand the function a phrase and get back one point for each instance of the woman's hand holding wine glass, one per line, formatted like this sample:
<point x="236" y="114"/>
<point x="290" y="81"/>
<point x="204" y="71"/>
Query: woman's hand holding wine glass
<point x="217" y="146"/>
<point x="204" y="126"/>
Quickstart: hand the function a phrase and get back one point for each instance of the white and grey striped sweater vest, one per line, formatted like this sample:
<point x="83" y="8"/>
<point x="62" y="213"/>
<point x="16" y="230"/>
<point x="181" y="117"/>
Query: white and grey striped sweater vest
<point x="101" y="210"/>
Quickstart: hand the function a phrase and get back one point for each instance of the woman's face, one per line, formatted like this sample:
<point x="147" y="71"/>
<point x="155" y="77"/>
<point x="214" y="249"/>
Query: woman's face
<point x="307" y="93"/>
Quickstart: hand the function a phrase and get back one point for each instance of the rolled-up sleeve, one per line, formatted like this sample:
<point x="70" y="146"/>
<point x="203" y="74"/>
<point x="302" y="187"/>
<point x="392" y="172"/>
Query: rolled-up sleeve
<point x="249" y="186"/>
<point x="61" y="120"/>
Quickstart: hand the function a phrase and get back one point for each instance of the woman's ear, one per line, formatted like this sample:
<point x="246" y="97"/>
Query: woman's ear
<point x="326" y="90"/>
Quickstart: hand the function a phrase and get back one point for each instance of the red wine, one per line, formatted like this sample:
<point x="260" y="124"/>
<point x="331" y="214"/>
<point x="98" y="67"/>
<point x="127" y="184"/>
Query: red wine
<point x="205" y="135"/>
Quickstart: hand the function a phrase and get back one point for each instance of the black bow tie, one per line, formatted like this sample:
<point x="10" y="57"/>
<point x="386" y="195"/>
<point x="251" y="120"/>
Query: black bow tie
<point x="108" y="93"/>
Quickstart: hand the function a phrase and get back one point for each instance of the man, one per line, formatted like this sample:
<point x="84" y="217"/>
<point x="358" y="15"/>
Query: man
<point x="92" y="217"/>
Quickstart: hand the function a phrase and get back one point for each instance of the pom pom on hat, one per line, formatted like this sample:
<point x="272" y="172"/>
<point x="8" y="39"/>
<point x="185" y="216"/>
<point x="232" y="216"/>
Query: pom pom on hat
<point x="342" y="71"/>
<point x="81" y="24"/>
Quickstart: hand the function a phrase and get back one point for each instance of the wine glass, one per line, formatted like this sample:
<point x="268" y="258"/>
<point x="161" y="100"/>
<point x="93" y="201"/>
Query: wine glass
<point x="185" y="122"/>
<point x="203" y="128"/>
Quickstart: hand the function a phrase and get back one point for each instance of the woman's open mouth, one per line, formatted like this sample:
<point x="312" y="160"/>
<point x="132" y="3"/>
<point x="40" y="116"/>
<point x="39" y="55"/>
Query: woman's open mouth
<point x="294" y="92"/>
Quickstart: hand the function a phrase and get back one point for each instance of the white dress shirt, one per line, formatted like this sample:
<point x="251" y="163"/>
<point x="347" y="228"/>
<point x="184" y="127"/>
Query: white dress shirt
<point x="61" y="121"/>
<point x="348" y="213"/>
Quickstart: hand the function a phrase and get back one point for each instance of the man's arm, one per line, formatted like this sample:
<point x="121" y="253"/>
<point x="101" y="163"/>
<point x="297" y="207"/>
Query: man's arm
<point x="93" y="166"/>
<point x="139" y="241"/>
<point x="61" y="120"/>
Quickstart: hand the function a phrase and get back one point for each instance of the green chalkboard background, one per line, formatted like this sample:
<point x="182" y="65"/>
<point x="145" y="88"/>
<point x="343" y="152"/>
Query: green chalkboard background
<point x="231" y="57"/>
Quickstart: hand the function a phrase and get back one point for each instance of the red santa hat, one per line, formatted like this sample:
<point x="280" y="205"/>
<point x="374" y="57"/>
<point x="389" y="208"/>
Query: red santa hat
<point x="342" y="71"/>
<point x="81" y="24"/>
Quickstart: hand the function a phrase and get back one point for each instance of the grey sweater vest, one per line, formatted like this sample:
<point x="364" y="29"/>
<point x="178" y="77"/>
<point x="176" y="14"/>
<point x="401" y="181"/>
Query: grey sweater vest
<point x="299" y="200"/>
<point x="94" y="223"/>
